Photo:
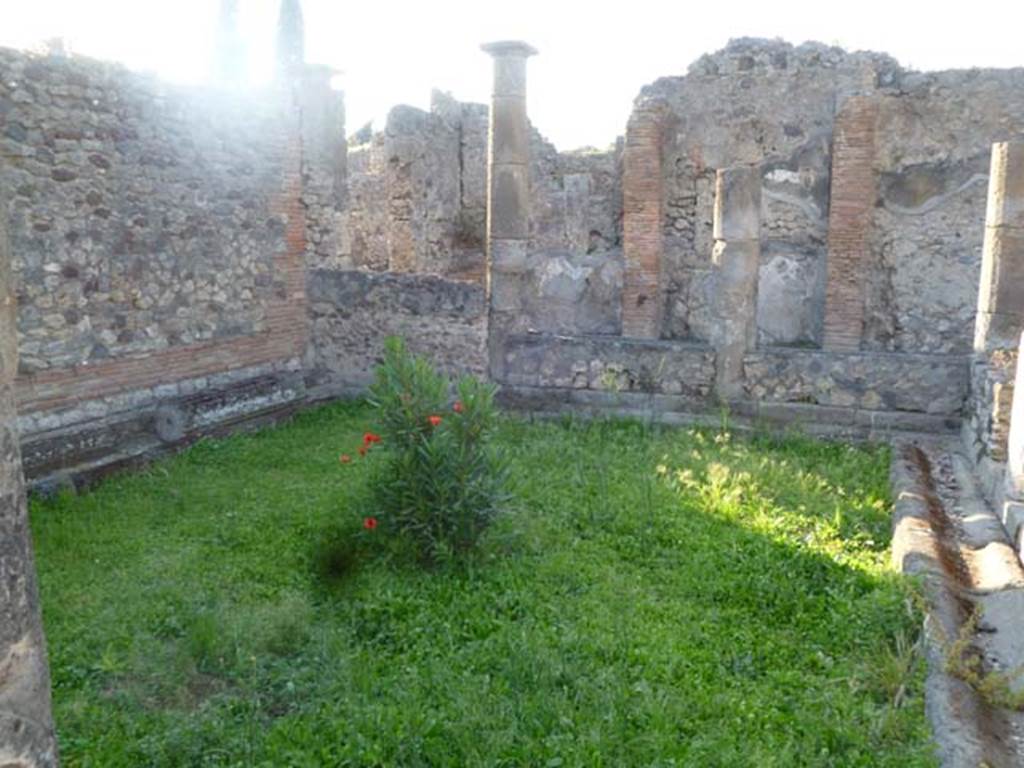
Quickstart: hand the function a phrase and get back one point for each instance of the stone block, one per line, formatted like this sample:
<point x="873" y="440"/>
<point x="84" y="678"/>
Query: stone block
<point x="737" y="213"/>
<point x="509" y="203"/>
<point x="1006" y="186"/>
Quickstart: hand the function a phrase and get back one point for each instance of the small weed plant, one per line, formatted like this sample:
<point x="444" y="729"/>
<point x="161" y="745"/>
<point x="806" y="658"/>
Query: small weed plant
<point x="442" y="481"/>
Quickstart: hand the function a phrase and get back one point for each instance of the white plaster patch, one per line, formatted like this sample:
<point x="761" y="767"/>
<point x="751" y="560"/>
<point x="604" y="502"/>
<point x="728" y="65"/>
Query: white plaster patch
<point x="782" y="176"/>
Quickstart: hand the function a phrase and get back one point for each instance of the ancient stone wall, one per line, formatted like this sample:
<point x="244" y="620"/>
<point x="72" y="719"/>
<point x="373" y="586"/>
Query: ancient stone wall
<point x="868" y="254"/>
<point x="418" y="204"/>
<point x="140" y="216"/>
<point x="935" y="134"/>
<point x="167" y="241"/>
<point x="915" y="182"/>
<point x="26" y="726"/>
<point x="771" y="105"/>
<point x="1000" y="319"/>
<point x="409" y="208"/>
<point x="353" y="312"/>
<point x="324" y="169"/>
<point x="159" y="241"/>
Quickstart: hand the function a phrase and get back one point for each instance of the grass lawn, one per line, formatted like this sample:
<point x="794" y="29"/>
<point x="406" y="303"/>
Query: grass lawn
<point x="656" y="597"/>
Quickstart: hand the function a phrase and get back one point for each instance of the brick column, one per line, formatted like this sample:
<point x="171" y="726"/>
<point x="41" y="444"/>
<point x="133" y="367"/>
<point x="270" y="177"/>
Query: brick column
<point x="508" y="190"/>
<point x="26" y="727"/>
<point x="853" y="196"/>
<point x="1000" y="317"/>
<point x="642" y="217"/>
<point x="735" y="259"/>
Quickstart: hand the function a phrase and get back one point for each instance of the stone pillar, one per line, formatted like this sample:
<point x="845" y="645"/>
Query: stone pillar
<point x="508" y="195"/>
<point x="26" y="728"/>
<point x="1000" y="317"/>
<point x="1001" y="293"/>
<point x="642" y="220"/>
<point x="1013" y="505"/>
<point x="736" y="260"/>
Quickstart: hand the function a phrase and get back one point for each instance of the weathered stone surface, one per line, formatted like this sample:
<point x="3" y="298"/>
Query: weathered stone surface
<point x="764" y="103"/>
<point x="999" y="323"/>
<point x="353" y="312"/>
<point x="569" y="292"/>
<point x="1013" y="504"/>
<point x="1005" y="205"/>
<point x="510" y="204"/>
<point x="934" y="140"/>
<point x="27" y="737"/>
<point x="512" y="143"/>
<point x="1002" y="275"/>
<point x="325" y="169"/>
<point x="99" y="435"/>
<point x="509" y="66"/>
<point x="610" y="364"/>
<point x="789" y="297"/>
<point x="869" y="381"/>
<point x="735" y="330"/>
<point x="508" y="198"/>
<point x="737" y="213"/>
<point x="161" y="229"/>
<point x="736" y="259"/>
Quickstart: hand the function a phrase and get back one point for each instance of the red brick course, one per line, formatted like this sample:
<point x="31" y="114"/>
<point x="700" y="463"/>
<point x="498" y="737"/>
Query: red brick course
<point x="849" y="223"/>
<point x="285" y="336"/>
<point x="642" y="214"/>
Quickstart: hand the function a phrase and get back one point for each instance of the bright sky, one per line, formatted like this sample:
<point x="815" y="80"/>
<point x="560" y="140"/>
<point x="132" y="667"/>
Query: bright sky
<point x="594" y="57"/>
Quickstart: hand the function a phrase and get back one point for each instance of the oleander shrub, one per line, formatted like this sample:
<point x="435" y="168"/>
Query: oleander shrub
<point x="440" y="480"/>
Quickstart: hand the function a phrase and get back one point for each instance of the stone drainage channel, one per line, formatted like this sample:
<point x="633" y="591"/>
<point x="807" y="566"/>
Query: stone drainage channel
<point x="946" y="534"/>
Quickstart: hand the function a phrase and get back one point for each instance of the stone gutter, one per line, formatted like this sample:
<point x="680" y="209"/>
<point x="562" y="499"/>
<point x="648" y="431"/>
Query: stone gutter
<point x="945" y="534"/>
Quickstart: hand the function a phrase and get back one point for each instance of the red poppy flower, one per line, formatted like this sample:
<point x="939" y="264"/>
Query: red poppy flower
<point x="344" y="458"/>
<point x="434" y="420"/>
<point x="362" y="450"/>
<point x="369" y="523"/>
<point x="458" y="406"/>
<point x="369" y="438"/>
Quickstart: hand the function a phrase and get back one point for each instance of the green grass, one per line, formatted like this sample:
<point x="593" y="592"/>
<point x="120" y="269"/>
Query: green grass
<point x="656" y="597"/>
